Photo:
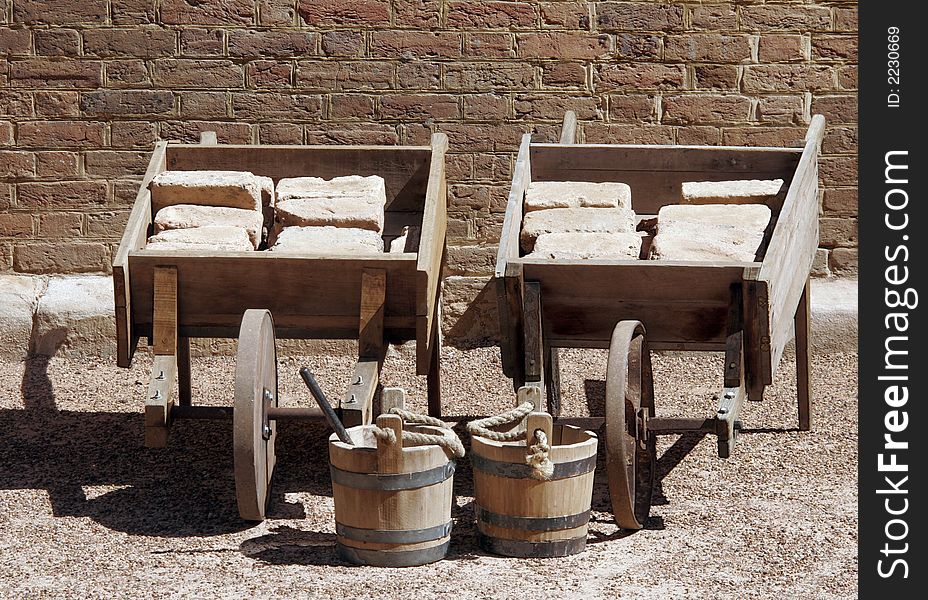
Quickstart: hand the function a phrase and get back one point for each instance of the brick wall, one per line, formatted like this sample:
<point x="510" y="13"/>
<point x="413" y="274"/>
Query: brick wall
<point x="86" y="87"/>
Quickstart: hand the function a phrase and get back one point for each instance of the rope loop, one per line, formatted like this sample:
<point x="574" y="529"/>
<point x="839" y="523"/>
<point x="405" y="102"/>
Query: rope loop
<point x="481" y="427"/>
<point x="448" y="440"/>
<point x="542" y="467"/>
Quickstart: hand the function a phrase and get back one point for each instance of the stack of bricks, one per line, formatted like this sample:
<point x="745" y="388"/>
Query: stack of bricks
<point x="87" y="87"/>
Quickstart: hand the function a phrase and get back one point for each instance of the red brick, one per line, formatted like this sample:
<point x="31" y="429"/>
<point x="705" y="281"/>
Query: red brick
<point x="640" y="76"/>
<point x="189" y="131"/>
<point x="840" y="202"/>
<point x="54" y="73"/>
<point x="15" y="41"/>
<point x="781" y="110"/>
<point x="15" y="225"/>
<point x="835" y="109"/>
<point x="843" y="261"/>
<point x="565" y="15"/>
<point x="474" y="197"/>
<point x="131" y="73"/>
<point x="467" y="137"/>
<point x="60" y="225"/>
<point x="263" y="106"/>
<point x="415" y="44"/>
<point x="351" y="106"/>
<point x="107" y="224"/>
<point x="59" y="12"/>
<point x="133" y="134"/>
<point x="837" y="170"/>
<point x="345" y="76"/>
<point x="422" y="14"/>
<point x="796" y="17"/>
<point x="418" y="75"/>
<point x="133" y="12"/>
<point x="630" y="108"/>
<point x="706" y="47"/>
<point x="16" y="104"/>
<point x="141" y="42"/>
<point x="787" y="78"/>
<point x="124" y="192"/>
<point x="6" y="196"/>
<point x="493" y="167"/>
<point x="61" y="134"/>
<point x="787" y="137"/>
<point x="269" y="74"/>
<point x="638" y="16"/>
<point x="563" y="46"/>
<point x="716" y="77"/>
<point x="6" y="133"/>
<point x="333" y="133"/>
<point x="847" y="77"/>
<point x="632" y="46"/>
<point x="459" y="167"/>
<point x="490" y="14"/>
<point x="834" y="47"/>
<point x="276" y="12"/>
<point x="116" y="164"/>
<point x="419" y="106"/>
<point x="837" y="232"/>
<point x="343" y="43"/>
<point x="840" y="140"/>
<point x="490" y="45"/>
<point x="56" y="164"/>
<point x="57" y="42"/>
<point x="564" y="74"/>
<point x="699" y="135"/>
<point x="553" y="107"/>
<point x="6" y="257"/>
<point x="280" y="133"/>
<point x="340" y="13"/>
<point x="66" y="257"/>
<point x="15" y="164"/>
<point x="208" y="12"/>
<point x="193" y="73"/>
<point x="714" y="17"/>
<point x="127" y="102"/>
<point x="250" y="43"/>
<point x="706" y="109"/>
<point x="845" y="19"/>
<point x="61" y="195"/>
<point x="57" y="104"/>
<point x="202" y="42"/>
<point x="489" y="76"/>
<point x="781" y="47"/>
<point x="486" y="107"/>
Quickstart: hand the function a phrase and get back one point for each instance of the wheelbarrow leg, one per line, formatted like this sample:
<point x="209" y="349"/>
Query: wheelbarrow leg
<point x="160" y="399"/>
<point x="803" y="374"/>
<point x="733" y="392"/>
<point x="184" y="389"/>
<point x="358" y="401"/>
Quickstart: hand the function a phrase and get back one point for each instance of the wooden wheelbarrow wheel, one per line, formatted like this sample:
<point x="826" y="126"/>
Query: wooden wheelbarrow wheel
<point x="630" y="450"/>
<point x="253" y="435"/>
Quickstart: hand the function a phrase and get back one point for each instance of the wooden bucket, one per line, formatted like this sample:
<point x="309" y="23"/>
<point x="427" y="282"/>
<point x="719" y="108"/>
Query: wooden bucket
<point x="392" y="504"/>
<point x="525" y="517"/>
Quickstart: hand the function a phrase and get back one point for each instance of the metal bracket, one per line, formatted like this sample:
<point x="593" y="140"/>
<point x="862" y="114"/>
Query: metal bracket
<point x="266" y="430"/>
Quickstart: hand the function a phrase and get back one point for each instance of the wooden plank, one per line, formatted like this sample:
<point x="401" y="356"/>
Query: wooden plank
<point x="533" y="339"/>
<point x="756" y="339"/>
<point x="734" y="341"/>
<point x="569" y="129"/>
<point x="216" y="288"/>
<point x="730" y="401"/>
<point x="358" y="401"/>
<point x="789" y="257"/>
<point x="803" y="355"/>
<point x="133" y="238"/>
<point x="184" y="387"/>
<point x="159" y="401"/>
<point x="431" y="251"/>
<point x="509" y="282"/>
<point x="370" y="329"/>
<point x="164" y="317"/>
<point x="553" y="378"/>
<point x="405" y="169"/>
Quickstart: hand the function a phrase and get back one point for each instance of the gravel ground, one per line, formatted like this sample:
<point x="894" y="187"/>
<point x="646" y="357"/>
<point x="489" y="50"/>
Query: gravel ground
<point x="87" y="512"/>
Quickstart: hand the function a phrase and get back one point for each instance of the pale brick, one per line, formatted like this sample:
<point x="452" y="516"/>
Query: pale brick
<point x="710" y="232"/>
<point x="203" y="239"/>
<point x="743" y="191"/>
<point x="186" y="216"/>
<point x="576" y="220"/>
<point x="581" y="246"/>
<point x="355" y="202"/>
<point x="233" y="189"/>
<point x="327" y="240"/>
<point x="542" y="195"/>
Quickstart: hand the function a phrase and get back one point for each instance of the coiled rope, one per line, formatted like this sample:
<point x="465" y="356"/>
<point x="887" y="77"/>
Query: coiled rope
<point x="539" y="459"/>
<point x="448" y="440"/>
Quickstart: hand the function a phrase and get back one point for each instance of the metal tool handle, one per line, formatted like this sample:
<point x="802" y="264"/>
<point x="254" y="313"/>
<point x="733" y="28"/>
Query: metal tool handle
<point x="330" y="416"/>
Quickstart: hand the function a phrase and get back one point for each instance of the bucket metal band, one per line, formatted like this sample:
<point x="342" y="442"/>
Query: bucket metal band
<point x="524" y="549"/>
<point x="402" y="558"/>
<point x="404" y="536"/>
<point x="392" y="481"/>
<point x="533" y="523"/>
<point x="511" y="470"/>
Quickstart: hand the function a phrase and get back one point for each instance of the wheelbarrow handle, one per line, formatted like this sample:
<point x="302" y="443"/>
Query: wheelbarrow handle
<point x="330" y="416"/>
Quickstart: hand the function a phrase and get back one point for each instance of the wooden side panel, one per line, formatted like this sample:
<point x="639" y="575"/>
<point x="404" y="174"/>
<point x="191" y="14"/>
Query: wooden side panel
<point x="569" y="131"/>
<point x="656" y="173"/>
<point x="509" y="275"/>
<point x="789" y="256"/>
<point x="677" y="302"/>
<point x="309" y="297"/>
<point x="431" y="252"/>
<point x="405" y="169"/>
<point x="133" y="238"/>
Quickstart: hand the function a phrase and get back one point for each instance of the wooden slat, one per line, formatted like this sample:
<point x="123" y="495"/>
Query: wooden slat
<point x="533" y="342"/>
<point x="159" y="401"/>
<point x="373" y="295"/>
<point x="360" y="411"/>
<point x="734" y="340"/>
<point x="788" y="260"/>
<point x="431" y="252"/>
<point x="803" y="356"/>
<point x="216" y="288"/>
<point x="405" y="169"/>
<point x="164" y="317"/>
<point x="509" y="283"/>
<point x="184" y="388"/>
<point x="133" y="238"/>
<point x="569" y="128"/>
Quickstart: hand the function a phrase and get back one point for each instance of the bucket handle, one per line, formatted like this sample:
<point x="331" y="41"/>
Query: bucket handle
<point x="390" y="455"/>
